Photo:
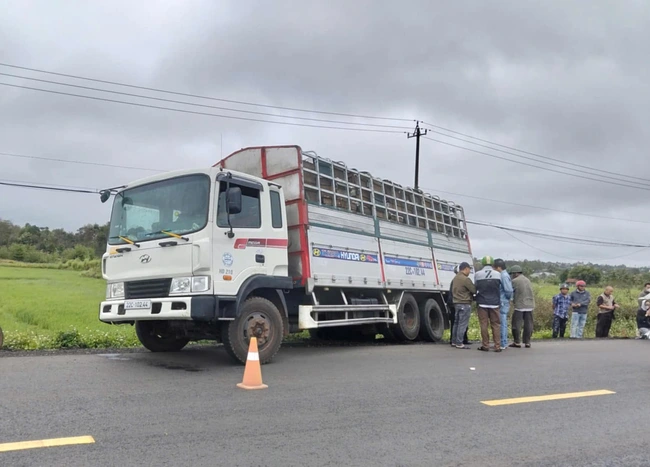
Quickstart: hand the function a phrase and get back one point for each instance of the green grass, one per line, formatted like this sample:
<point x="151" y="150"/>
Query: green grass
<point x="43" y="308"/>
<point x="46" y="308"/>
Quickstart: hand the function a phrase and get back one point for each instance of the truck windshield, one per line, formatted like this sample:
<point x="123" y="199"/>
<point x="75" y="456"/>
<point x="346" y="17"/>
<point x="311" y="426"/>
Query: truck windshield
<point x="177" y="205"/>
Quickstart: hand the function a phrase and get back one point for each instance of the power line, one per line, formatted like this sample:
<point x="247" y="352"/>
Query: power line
<point x="559" y="237"/>
<point x="607" y="177"/>
<point x="636" y="251"/>
<point x="196" y="112"/>
<point x="506" y="229"/>
<point x="525" y="152"/>
<point x="229" y="109"/>
<point x="568" y="174"/>
<point x="230" y="101"/>
<point x="480" y="198"/>
<point x="51" y="188"/>
<point x="68" y="161"/>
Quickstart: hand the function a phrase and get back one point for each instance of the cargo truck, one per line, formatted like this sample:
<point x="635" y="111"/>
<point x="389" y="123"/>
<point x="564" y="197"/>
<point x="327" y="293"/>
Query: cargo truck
<point x="275" y="240"/>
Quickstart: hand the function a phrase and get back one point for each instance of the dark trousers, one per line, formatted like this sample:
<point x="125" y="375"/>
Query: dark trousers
<point x="642" y="321"/>
<point x="452" y="320"/>
<point x="559" y="326"/>
<point x="603" y="323"/>
<point x="522" y="319"/>
<point x="492" y="317"/>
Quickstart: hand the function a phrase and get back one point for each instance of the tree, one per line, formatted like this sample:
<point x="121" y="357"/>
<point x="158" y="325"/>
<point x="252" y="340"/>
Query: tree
<point x="589" y="274"/>
<point x="564" y="275"/>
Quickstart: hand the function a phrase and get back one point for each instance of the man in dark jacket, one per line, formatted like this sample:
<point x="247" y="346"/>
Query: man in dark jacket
<point x="452" y="313"/>
<point x="488" y="299"/>
<point x="580" y="300"/>
<point x="463" y="291"/>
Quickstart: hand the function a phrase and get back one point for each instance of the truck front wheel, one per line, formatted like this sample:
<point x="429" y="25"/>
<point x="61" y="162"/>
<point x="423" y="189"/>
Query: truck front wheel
<point x="258" y="318"/>
<point x="157" y="337"/>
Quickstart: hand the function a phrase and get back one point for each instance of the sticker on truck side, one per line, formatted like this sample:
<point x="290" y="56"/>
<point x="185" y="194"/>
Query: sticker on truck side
<point x="328" y="253"/>
<point x="412" y="267"/>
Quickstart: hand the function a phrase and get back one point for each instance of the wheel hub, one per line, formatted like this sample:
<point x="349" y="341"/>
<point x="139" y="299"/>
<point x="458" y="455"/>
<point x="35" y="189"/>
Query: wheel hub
<point x="259" y="327"/>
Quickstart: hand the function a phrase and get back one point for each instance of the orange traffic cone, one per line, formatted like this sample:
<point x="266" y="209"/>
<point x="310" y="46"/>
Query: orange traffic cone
<point x="252" y="371"/>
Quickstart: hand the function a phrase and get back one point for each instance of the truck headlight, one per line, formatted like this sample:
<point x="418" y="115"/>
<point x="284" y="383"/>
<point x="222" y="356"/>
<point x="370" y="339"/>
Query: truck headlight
<point x="182" y="285"/>
<point x="115" y="290"/>
<point x="200" y="283"/>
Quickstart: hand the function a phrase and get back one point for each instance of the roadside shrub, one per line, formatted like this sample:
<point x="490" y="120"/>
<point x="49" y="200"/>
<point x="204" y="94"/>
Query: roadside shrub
<point x="69" y="339"/>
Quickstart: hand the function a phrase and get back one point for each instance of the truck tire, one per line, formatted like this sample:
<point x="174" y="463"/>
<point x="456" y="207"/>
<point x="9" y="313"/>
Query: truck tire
<point x="408" y="319"/>
<point x="432" y="321"/>
<point x="259" y="318"/>
<point x="155" y="336"/>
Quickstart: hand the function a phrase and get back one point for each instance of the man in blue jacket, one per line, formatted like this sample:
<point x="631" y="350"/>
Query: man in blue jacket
<point x="488" y="299"/>
<point x="506" y="295"/>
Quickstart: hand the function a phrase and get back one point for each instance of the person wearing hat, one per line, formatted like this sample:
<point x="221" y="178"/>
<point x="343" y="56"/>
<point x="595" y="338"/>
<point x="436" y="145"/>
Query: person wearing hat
<point x="488" y="299"/>
<point x="524" y="303"/>
<point x="452" y="312"/>
<point x="580" y="300"/>
<point x="463" y="291"/>
<point x="561" y="305"/>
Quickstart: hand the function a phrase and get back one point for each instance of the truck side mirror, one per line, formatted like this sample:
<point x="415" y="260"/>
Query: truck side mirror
<point x="104" y="195"/>
<point x="233" y="200"/>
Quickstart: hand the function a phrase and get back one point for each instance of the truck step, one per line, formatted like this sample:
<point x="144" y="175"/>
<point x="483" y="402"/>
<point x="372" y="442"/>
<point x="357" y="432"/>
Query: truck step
<point x="323" y="316"/>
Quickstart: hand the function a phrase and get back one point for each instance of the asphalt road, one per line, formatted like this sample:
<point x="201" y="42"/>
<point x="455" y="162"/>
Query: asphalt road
<point x="401" y="405"/>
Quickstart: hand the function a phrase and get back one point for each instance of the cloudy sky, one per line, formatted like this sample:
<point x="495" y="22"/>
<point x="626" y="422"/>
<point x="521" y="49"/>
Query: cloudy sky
<point x="568" y="81"/>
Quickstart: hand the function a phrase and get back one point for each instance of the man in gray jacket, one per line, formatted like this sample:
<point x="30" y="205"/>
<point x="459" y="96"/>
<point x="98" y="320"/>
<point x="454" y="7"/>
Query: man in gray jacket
<point x="580" y="300"/>
<point x="524" y="304"/>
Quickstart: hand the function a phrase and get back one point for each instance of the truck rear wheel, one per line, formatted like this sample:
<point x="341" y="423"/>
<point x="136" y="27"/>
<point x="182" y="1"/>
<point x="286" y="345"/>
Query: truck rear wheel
<point x="432" y="322"/>
<point x="258" y="318"/>
<point x="156" y="337"/>
<point x="408" y="319"/>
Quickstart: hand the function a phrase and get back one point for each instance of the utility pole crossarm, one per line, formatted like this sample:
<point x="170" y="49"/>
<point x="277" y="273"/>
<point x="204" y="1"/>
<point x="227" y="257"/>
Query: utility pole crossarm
<point x="416" y="134"/>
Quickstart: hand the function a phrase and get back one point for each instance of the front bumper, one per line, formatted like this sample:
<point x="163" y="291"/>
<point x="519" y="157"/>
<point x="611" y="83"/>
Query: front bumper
<point x="196" y="308"/>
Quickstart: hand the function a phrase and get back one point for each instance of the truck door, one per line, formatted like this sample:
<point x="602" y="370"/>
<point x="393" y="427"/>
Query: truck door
<point x="259" y="244"/>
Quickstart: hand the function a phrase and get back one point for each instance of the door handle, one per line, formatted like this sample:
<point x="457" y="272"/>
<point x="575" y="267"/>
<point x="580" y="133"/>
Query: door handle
<point x="260" y="259"/>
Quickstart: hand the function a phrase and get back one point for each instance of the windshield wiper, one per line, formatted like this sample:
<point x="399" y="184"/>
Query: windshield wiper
<point x="168" y="233"/>
<point x="128" y="240"/>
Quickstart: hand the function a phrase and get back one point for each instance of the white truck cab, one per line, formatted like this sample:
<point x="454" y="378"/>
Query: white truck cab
<point x="182" y="248"/>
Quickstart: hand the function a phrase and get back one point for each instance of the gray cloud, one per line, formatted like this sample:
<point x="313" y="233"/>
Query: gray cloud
<point x="567" y="80"/>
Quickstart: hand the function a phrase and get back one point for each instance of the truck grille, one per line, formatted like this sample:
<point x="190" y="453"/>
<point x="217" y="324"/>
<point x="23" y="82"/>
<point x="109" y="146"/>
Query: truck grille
<point x="156" y="288"/>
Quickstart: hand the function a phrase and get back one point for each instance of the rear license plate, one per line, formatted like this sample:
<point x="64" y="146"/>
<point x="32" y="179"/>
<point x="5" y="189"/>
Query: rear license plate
<point x="137" y="304"/>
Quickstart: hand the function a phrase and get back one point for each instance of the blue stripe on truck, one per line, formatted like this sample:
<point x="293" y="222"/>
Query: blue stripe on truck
<point x="393" y="261"/>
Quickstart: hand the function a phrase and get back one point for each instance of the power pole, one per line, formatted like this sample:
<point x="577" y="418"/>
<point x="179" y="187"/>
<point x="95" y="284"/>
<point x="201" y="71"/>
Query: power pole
<point x="416" y="134"/>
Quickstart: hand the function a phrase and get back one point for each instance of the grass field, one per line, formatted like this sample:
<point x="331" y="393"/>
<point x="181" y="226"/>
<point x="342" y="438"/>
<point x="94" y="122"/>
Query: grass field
<point x="46" y="308"/>
<point x="53" y="308"/>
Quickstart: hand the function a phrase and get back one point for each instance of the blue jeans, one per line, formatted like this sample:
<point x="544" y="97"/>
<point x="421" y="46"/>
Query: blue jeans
<point x="505" y="308"/>
<point x="578" y="321"/>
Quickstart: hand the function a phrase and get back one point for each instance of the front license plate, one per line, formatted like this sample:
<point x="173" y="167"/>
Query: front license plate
<point x="137" y="305"/>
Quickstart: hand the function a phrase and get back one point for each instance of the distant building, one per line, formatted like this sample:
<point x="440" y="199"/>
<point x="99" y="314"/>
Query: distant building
<point x="543" y="275"/>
